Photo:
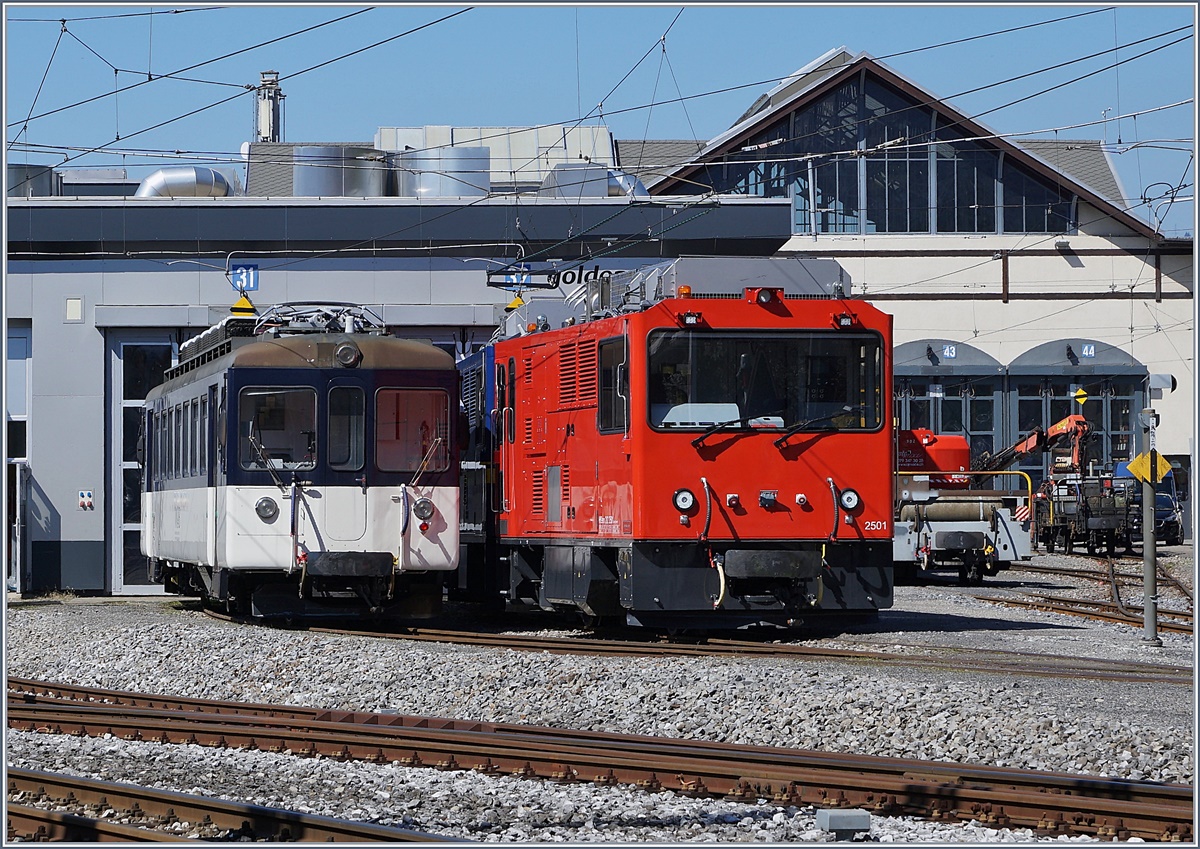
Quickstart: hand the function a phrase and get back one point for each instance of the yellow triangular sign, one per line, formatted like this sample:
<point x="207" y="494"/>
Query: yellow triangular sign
<point x="1080" y="395"/>
<point x="514" y="304"/>
<point x="242" y="306"/>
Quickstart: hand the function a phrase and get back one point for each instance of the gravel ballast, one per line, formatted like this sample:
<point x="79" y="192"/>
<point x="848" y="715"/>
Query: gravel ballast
<point x="1140" y="732"/>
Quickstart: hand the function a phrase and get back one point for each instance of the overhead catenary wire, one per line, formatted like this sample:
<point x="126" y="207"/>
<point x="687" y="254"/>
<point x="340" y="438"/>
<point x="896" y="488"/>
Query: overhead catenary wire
<point x="239" y="52"/>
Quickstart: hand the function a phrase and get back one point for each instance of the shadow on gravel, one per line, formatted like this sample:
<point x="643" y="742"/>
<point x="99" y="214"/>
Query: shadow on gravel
<point x="890" y="621"/>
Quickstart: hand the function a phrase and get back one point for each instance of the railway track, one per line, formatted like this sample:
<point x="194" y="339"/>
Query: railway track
<point x="1050" y="803"/>
<point x="962" y="659"/>
<point x="44" y="806"/>
<point x="1098" y="610"/>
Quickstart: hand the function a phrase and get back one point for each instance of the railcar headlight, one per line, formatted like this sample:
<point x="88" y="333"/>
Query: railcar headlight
<point x="849" y="499"/>
<point x="684" y="500"/>
<point x="422" y="508"/>
<point x="347" y="354"/>
<point x="266" y="508"/>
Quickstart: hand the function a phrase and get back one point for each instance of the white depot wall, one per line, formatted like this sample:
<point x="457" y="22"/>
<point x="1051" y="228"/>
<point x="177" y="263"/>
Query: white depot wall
<point x="1005" y="331"/>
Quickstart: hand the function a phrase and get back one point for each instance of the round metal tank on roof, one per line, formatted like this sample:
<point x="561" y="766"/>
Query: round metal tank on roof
<point x="32" y="181"/>
<point x="184" y="181"/>
<point x="338" y="171"/>
<point x="444" y="172"/>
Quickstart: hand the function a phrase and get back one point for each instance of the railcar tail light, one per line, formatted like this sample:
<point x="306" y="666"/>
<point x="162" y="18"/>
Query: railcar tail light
<point x="849" y="499"/>
<point x="684" y="291"/>
<point x="266" y="508"/>
<point x="423" y="509"/>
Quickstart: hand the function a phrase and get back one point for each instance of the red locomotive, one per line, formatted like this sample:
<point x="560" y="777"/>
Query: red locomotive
<point x="704" y="443"/>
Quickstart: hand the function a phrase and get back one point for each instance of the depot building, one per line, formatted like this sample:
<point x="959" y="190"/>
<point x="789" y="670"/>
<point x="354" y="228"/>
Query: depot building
<point x="1023" y="288"/>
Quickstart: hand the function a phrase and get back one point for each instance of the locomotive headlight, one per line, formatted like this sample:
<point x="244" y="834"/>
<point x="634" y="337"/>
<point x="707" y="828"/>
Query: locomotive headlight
<point x="684" y="500"/>
<point x="266" y="508"/>
<point x="422" y="508"/>
<point x="347" y="354"/>
<point x="849" y="499"/>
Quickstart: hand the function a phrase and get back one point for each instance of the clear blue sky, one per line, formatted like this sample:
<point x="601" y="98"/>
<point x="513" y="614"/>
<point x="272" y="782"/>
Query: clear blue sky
<point x="498" y="65"/>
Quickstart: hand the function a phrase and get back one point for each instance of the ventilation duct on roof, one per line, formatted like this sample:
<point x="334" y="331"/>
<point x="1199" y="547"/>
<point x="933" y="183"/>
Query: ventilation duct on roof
<point x="584" y="180"/>
<point x="184" y="181"/>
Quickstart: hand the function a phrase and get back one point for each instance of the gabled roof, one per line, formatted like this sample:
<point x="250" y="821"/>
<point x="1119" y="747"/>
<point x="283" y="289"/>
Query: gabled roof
<point x="650" y="160"/>
<point x="1080" y="166"/>
<point x="1085" y="161"/>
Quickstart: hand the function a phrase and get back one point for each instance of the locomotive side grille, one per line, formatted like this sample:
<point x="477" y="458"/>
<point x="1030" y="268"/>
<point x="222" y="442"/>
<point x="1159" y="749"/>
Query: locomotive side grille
<point x="527" y="363"/>
<point x="577" y="371"/>
<point x="537" y="493"/>
<point x="472" y="395"/>
<point x="568" y="385"/>
<point x="566" y="484"/>
<point x="588" y="389"/>
<point x="528" y="430"/>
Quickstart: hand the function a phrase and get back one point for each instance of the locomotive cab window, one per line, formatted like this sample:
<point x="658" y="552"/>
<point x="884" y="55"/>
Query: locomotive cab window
<point x="411" y="430"/>
<point x="803" y="380"/>
<point x="277" y="427"/>
<point x="613" y="413"/>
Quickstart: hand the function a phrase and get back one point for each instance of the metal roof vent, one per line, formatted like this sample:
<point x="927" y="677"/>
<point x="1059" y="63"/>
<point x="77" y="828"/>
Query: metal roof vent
<point x="184" y="181"/>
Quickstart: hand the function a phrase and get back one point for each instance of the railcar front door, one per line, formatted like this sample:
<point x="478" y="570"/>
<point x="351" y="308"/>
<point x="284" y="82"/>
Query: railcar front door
<point x="346" y="506"/>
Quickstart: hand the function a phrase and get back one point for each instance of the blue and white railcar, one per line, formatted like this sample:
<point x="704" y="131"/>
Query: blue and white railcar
<point x="304" y="462"/>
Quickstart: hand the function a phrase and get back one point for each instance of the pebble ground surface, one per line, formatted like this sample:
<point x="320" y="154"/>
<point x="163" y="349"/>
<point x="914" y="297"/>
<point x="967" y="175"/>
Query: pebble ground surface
<point x="1135" y="731"/>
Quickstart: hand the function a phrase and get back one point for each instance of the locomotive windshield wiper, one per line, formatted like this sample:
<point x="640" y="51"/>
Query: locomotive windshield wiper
<point x="743" y="420"/>
<point x="799" y="426"/>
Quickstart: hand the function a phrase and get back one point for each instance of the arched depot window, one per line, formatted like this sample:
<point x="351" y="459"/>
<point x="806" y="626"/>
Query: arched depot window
<point x="1078" y="376"/>
<point x="951" y="387"/>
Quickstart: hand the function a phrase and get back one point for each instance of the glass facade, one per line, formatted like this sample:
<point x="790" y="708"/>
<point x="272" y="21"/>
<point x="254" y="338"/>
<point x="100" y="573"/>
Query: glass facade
<point x="869" y="158"/>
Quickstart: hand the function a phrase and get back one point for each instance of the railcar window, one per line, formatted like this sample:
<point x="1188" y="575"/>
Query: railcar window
<point x="186" y="451"/>
<point x="196" y="439"/>
<point x="203" y="434"/>
<point x="277" y="427"/>
<point x="765" y="380"/>
<point x="347" y="438"/>
<point x="412" y="429"/>
<point x="177" y="434"/>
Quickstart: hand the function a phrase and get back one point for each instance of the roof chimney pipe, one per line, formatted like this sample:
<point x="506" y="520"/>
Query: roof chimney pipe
<point x="267" y="123"/>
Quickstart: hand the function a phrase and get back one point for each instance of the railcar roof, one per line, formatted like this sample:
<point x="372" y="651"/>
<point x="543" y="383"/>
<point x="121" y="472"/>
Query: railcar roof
<point x="315" y="350"/>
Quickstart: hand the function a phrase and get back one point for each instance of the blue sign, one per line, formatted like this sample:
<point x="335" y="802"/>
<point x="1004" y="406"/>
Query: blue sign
<point x="244" y="277"/>
<point x="949" y="352"/>
<point x="1087" y="350"/>
<point x="518" y="276"/>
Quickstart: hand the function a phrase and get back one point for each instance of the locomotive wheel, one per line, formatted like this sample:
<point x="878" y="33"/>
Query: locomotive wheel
<point x="1050" y="542"/>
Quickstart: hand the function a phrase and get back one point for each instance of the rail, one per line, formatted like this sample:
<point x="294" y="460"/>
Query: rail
<point x="1050" y="803"/>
